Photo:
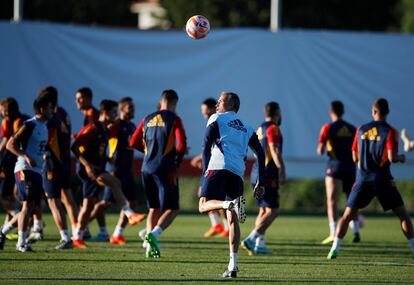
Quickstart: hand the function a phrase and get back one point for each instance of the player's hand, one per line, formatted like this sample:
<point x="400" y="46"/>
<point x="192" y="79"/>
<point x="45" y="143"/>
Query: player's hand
<point x="30" y="161"/>
<point x="90" y="172"/>
<point x="258" y="191"/>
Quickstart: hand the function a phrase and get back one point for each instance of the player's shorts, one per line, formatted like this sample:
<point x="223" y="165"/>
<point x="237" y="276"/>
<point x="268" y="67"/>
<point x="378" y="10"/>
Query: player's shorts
<point x="221" y="185"/>
<point x="363" y="192"/>
<point x="52" y="184"/>
<point x="7" y="182"/>
<point x="129" y="188"/>
<point x="270" y="198"/>
<point x="29" y="186"/>
<point x="345" y="174"/>
<point x="90" y="188"/>
<point x="162" y="190"/>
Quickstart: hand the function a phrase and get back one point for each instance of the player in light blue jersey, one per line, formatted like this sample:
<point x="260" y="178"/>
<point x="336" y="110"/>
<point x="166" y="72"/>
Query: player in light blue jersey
<point x="29" y="145"/>
<point x="226" y="142"/>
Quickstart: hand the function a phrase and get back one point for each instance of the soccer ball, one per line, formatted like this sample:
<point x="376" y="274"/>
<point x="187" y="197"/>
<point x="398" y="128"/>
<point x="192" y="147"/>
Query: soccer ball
<point x="197" y="27"/>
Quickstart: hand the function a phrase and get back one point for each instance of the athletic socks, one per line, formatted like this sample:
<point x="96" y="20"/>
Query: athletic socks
<point x="260" y="241"/>
<point x="355" y="228"/>
<point x="214" y="218"/>
<point x="119" y="230"/>
<point x="64" y="235"/>
<point x="156" y="231"/>
<point x="103" y="231"/>
<point x="253" y="235"/>
<point x="22" y="237"/>
<point x="128" y="211"/>
<point x="225" y="224"/>
<point x="332" y="228"/>
<point x="226" y="204"/>
<point x="37" y="225"/>
<point x="336" y="245"/>
<point x="233" y="261"/>
<point x="7" y="228"/>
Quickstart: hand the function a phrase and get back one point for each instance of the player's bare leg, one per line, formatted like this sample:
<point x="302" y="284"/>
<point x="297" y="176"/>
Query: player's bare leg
<point x="84" y="214"/>
<point x="234" y="241"/>
<point x="98" y="213"/>
<point x="331" y="187"/>
<point x="23" y="223"/>
<point x="59" y="216"/>
<point x="37" y="229"/>
<point x="71" y="206"/>
<point x="117" y="236"/>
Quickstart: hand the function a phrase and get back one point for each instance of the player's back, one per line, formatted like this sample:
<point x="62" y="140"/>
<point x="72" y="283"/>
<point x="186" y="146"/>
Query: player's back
<point x="119" y="137"/>
<point x="372" y="142"/>
<point x="91" y="116"/>
<point x="230" y="149"/>
<point x="340" y="138"/>
<point x="160" y="139"/>
<point x="59" y="143"/>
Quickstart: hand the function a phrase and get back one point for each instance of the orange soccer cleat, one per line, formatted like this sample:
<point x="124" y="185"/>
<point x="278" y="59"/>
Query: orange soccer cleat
<point x="78" y="243"/>
<point x="224" y="234"/>
<point x="214" y="230"/>
<point x="135" y="219"/>
<point x="120" y="240"/>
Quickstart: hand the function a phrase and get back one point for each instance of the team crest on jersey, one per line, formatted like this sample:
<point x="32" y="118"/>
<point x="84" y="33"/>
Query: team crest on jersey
<point x="371" y="135"/>
<point x="238" y="125"/>
<point x="157" y="121"/>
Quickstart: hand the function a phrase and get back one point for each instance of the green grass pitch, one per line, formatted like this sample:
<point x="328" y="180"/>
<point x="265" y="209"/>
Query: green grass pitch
<point x="383" y="257"/>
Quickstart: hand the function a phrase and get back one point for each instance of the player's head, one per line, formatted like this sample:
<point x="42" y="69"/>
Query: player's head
<point x="208" y="107"/>
<point x="228" y="101"/>
<point x="43" y="107"/>
<point x="108" y="110"/>
<point x="126" y="108"/>
<point x="84" y="98"/>
<point x="52" y="94"/>
<point x="380" y="109"/>
<point x="273" y="112"/>
<point x="336" y="110"/>
<point x="169" y="99"/>
<point x="9" y="108"/>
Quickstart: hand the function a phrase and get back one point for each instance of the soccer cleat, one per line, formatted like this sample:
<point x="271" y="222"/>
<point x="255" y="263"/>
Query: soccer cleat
<point x="408" y="144"/>
<point x="35" y="236"/>
<point x="12" y="236"/>
<point x="135" y="219"/>
<point x="328" y="240"/>
<point x="153" y="244"/>
<point x="2" y="239"/>
<point x="64" y="244"/>
<point x="87" y="234"/>
<point x="79" y="243"/>
<point x="248" y="245"/>
<point x="230" y="273"/>
<point x="239" y="207"/>
<point x="214" y="230"/>
<point x="332" y="254"/>
<point x="120" y="240"/>
<point x="101" y="237"/>
<point x="225" y="234"/>
<point x="356" y="238"/>
<point x="24" y="247"/>
<point x="262" y="250"/>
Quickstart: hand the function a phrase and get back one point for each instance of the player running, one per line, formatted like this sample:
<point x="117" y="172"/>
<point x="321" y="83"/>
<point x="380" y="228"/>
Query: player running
<point x="337" y="138"/>
<point x="225" y="147"/>
<point x="271" y="140"/>
<point x="375" y="147"/>
<point x="90" y="148"/>
<point x="157" y="136"/>
<point x="208" y="108"/>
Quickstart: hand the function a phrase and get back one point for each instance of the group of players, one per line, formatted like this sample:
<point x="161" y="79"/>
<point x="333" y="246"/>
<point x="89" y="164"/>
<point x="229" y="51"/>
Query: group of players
<point x="36" y="155"/>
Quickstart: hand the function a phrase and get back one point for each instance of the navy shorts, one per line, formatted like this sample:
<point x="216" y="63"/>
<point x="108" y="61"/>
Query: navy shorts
<point x="362" y="194"/>
<point x="7" y="182"/>
<point x="270" y="198"/>
<point x="129" y="188"/>
<point x="29" y="186"/>
<point x="221" y="185"/>
<point x="162" y="190"/>
<point x="52" y="184"/>
<point x="90" y="188"/>
<point x="346" y="175"/>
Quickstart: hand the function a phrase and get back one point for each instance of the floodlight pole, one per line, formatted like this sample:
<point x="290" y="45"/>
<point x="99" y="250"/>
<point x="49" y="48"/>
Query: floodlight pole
<point x="275" y="12"/>
<point x="18" y="11"/>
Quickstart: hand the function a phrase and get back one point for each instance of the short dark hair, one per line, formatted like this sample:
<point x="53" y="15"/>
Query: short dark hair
<point x="125" y="100"/>
<point x="52" y="94"/>
<point x="381" y="105"/>
<point x="210" y="103"/>
<point x="85" y="91"/>
<point x="40" y="102"/>
<point x="11" y="106"/>
<point x="107" y="105"/>
<point x="170" y="96"/>
<point x="337" y="108"/>
<point x="233" y="99"/>
<point x="271" y="108"/>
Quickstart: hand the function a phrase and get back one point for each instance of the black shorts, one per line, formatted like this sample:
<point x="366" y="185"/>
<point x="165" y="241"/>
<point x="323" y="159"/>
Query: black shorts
<point x="90" y="188"/>
<point x="363" y="192"/>
<point x="129" y="188"/>
<point x="270" y="198"/>
<point x="162" y="190"/>
<point x="29" y="186"/>
<point x="221" y="185"/>
<point x="345" y="174"/>
<point x="52" y="184"/>
<point x="7" y="182"/>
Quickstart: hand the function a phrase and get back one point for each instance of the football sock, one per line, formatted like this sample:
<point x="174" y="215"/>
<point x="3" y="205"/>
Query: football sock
<point x="214" y="218"/>
<point x="336" y="245"/>
<point x="22" y="237"/>
<point x="156" y="231"/>
<point x="225" y="224"/>
<point x="260" y="241"/>
<point x="253" y="235"/>
<point x="355" y="229"/>
<point x="64" y="235"/>
<point x="226" y="204"/>
<point x="233" y="261"/>
<point x="332" y="228"/>
<point x="411" y="242"/>
<point x="128" y="211"/>
<point x="103" y="230"/>
<point x="7" y="228"/>
<point x="119" y="230"/>
<point x="37" y="225"/>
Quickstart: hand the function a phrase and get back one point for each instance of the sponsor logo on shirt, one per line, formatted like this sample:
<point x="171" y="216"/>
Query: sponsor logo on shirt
<point x="238" y="125"/>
